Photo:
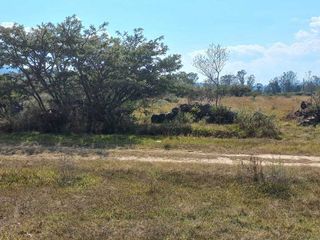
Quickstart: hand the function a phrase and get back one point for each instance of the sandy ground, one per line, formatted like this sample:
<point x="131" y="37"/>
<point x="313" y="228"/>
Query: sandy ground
<point x="174" y="156"/>
<point x="213" y="158"/>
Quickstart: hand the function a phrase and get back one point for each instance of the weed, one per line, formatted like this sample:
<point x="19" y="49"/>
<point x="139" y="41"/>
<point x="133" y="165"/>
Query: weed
<point x="272" y="180"/>
<point x="167" y="146"/>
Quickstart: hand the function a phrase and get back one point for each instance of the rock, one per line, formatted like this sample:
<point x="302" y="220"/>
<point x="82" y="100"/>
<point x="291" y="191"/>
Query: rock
<point x="158" y="118"/>
<point x="303" y="105"/>
<point x="308" y="114"/>
<point x="186" y="108"/>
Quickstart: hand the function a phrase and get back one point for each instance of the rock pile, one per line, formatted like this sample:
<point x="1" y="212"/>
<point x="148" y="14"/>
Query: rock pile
<point x="309" y="114"/>
<point x="211" y="114"/>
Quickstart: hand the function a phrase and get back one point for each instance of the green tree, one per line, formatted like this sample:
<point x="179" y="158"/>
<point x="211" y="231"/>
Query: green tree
<point x="241" y="76"/>
<point x="274" y="86"/>
<point x="288" y="82"/>
<point x="84" y="75"/>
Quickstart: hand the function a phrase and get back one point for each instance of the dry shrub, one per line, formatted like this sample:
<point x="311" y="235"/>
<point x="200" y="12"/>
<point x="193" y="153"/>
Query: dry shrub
<point x="272" y="179"/>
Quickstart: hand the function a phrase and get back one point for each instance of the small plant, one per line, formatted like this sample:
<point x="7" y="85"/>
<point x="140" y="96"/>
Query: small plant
<point x="167" y="146"/>
<point x="183" y="118"/>
<point x="153" y="183"/>
<point x="252" y="170"/>
<point x="272" y="179"/>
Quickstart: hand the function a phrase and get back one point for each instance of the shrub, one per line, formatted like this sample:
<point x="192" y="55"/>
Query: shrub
<point x="277" y="182"/>
<point x="257" y="125"/>
<point x="184" y="118"/>
<point x="272" y="180"/>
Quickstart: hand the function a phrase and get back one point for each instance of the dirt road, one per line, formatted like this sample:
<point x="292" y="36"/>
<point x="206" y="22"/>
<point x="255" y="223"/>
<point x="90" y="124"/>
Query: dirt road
<point x="158" y="155"/>
<point x="183" y="156"/>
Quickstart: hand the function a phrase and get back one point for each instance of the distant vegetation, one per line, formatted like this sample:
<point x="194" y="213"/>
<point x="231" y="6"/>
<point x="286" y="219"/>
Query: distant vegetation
<point x="68" y="78"/>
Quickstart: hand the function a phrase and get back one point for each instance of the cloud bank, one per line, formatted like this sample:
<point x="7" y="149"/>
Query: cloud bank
<point x="302" y="55"/>
<point x="7" y="24"/>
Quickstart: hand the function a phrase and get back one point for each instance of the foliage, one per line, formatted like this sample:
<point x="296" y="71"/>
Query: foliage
<point x="257" y="125"/>
<point x="239" y="90"/>
<point x="11" y="99"/>
<point x="84" y="75"/>
<point x="184" y="85"/>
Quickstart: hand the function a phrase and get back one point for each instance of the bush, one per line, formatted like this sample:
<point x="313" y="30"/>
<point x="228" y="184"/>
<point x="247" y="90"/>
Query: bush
<point x="257" y="125"/>
<point x="239" y="90"/>
<point x="272" y="180"/>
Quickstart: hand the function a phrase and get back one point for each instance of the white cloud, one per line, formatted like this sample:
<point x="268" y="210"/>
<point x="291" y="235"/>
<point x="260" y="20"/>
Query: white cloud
<point x="302" y="55"/>
<point x="315" y="22"/>
<point x="7" y="24"/>
<point x="11" y="24"/>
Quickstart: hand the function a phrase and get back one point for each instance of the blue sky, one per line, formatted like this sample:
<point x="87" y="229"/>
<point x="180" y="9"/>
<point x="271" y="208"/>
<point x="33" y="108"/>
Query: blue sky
<point x="264" y="37"/>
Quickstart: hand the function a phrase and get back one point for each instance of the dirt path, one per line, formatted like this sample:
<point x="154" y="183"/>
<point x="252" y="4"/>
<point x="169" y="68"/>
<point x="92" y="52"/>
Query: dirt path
<point x="157" y="155"/>
<point x="183" y="156"/>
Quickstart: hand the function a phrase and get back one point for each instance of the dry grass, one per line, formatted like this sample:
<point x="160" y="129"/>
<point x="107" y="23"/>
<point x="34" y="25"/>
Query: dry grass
<point x="56" y="195"/>
<point x="295" y="139"/>
<point x="95" y="199"/>
<point x="279" y="106"/>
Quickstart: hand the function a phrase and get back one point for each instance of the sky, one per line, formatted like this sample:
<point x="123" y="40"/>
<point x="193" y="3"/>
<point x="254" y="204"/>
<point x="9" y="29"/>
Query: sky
<point x="266" y="38"/>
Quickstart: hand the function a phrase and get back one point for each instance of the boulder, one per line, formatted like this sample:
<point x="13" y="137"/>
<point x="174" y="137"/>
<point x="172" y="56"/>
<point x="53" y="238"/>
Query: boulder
<point x="186" y="108"/>
<point x="158" y="118"/>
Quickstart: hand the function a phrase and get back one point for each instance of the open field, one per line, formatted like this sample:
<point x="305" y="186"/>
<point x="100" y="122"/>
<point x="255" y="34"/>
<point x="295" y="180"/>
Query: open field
<point x="280" y="106"/>
<point x="70" y="198"/>
<point x="110" y="133"/>
<point x="76" y="186"/>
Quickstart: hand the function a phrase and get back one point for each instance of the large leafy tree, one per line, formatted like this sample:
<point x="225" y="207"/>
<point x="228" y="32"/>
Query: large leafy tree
<point x="84" y="74"/>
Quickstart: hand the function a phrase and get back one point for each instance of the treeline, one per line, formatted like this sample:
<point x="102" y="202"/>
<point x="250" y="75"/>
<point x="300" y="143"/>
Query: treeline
<point x="68" y="78"/>
<point x="242" y="84"/>
<point x="289" y="83"/>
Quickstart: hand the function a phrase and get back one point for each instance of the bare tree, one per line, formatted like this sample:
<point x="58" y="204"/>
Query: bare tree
<point x="210" y="64"/>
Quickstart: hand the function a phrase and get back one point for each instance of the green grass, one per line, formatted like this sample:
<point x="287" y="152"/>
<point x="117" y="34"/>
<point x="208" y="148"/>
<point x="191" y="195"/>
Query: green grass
<point x="295" y="140"/>
<point x="69" y="140"/>
<point x="220" y="138"/>
<point x="56" y="195"/>
<point x="68" y="199"/>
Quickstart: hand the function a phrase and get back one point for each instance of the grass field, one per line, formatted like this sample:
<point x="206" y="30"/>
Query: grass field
<point x="68" y="199"/>
<point x="58" y="196"/>
<point x="295" y="140"/>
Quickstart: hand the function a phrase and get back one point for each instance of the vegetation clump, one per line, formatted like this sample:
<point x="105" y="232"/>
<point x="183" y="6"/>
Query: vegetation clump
<point x="80" y="79"/>
<point x="257" y="125"/>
